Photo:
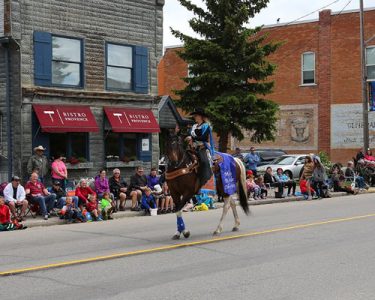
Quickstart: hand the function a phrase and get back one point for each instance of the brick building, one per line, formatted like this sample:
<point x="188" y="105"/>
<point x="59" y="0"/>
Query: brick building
<point x="80" y="78"/>
<point x="317" y="84"/>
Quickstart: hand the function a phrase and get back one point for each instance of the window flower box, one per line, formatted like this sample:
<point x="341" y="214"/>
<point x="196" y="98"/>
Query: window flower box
<point x="79" y="166"/>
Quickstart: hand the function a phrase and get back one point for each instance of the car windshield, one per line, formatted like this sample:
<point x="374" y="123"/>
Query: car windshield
<point x="284" y="160"/>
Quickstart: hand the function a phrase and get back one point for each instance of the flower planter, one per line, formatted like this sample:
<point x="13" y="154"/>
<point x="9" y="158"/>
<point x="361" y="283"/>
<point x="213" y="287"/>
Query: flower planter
<point x="79" y="166"/>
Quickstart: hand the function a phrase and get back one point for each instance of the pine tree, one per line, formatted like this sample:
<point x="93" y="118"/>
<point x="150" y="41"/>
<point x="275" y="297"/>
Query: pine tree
<point x="229" y="70"/>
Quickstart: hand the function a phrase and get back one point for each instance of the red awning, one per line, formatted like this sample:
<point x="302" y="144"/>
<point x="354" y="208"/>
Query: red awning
<point x="61" y="118"/>
<point x="132" y="120"/>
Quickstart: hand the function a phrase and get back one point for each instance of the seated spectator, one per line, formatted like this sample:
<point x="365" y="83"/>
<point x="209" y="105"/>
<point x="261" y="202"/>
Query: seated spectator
<point x="167" y="205"/>
<point x="286" y="180"/>
<point x="369" y="156"/>
<point x="319" y="179"/>
<point x="84" y="192"/>
<point x="263" y="189"/>
<point x="270" y="179"/>
<point x="61" y="195"/>
<point x="38" y="193"/>
<point x="350" y="172"/>
<point x="304" y="186"/>
<point x="106" y="207"/>
<point x="148" y="201"/>
<point x="15" y="196"/>
<point x="118" y="187"/>
<point x="92" y="208"/>
<point x="153" y="179"/>
<point x="102" y="184"/>
<point x="6" y="223"/>
<point x="252" y="187"/>
<point x="70" y="212"/>
<point x="138" y="183"/>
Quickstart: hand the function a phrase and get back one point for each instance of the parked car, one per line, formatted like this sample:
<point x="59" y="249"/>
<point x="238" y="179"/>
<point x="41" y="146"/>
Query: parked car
<point x="267" y="156"/>
<point x="292" y="165"/>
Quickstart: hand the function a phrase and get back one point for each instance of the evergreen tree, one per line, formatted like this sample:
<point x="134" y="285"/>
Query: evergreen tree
<point x="229" y="70"/>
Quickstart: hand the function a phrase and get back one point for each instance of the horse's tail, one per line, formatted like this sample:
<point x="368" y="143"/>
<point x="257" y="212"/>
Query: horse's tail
<point x="242" y="190"/>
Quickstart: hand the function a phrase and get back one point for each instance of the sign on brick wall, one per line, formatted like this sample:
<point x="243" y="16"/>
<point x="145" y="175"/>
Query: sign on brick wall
<point x="1" y="17"/>
<point x="347" y="126"/>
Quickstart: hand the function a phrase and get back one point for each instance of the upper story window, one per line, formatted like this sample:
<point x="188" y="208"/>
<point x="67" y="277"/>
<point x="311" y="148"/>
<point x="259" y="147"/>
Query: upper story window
<point x="127" y="68"/>
<point x="58" y="61"/>
<point x="66" y="61"/>
<point x="308" y="68"/>
<point x="119" y="67"/>
<point x="370" y="63"/>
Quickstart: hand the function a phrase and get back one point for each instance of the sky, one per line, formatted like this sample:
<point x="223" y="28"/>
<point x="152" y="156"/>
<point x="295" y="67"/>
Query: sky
<point x="177" y="17"/>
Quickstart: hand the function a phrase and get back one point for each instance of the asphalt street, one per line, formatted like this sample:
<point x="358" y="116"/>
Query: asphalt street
<point x="331" y="257"/>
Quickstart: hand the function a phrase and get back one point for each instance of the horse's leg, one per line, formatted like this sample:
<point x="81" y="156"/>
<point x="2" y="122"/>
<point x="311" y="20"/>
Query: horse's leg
<point x="219" y="228"/>
<point x="235" y="214"/>
<point x="180" y="227"/>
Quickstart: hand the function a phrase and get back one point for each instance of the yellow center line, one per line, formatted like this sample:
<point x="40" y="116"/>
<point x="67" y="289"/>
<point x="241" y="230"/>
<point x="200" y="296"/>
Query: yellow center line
<point x="176" y="246"/>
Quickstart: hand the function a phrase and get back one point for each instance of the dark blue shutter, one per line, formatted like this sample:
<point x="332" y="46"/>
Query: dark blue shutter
<point x="42" y="58"/>
<point x="145" y="156"/>
<point x="141" y="70"/>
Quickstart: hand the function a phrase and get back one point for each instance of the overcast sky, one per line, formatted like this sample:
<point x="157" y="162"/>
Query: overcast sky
<point x="177" y="17"/>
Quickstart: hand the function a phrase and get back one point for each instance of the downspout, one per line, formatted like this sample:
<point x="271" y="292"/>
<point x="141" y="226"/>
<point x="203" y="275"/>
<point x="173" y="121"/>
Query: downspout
<point x="5" y="42"/>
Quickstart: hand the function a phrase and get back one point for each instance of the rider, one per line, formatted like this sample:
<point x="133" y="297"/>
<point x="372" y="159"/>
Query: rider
<point x="201" y="141"/>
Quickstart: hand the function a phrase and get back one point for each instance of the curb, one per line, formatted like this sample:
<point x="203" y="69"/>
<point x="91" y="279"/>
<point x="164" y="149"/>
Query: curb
<point x="130" y="214"/>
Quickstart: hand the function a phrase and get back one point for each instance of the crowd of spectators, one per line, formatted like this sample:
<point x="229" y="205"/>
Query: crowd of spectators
<point x="91" y="200"/>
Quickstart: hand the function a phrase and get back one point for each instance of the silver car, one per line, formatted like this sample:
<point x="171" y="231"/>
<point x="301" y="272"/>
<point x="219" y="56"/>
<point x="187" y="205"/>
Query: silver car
<point x="292" y="165"/>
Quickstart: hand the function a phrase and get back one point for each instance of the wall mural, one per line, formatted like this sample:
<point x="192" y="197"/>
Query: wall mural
<point x="296" y="129"/>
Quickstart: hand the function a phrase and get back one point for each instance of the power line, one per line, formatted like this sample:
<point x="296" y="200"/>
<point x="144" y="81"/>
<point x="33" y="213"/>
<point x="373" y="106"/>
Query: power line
<point x="346" y="5"/>
<point x="313" y="12"/>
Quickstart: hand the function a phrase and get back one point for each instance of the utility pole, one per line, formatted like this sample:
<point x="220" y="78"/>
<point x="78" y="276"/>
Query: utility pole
<point x="364" y="79"/>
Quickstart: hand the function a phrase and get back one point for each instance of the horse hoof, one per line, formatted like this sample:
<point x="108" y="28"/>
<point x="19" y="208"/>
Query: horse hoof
<point x="186" y="234"/>
<point x="216" y="233"/>
<point x="176" y="237"/>
<point x="235" y="229"/>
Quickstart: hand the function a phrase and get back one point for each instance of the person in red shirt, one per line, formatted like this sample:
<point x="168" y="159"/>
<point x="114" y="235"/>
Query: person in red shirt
<point x="304" y="190"/>
<point x="84" y="192"/>
<point x="5" y="222"/>
<point x="38" y="193"/>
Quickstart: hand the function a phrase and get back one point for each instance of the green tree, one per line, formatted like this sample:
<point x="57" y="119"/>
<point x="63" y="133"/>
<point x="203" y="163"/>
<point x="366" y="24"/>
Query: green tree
<point x="229" y="70"/>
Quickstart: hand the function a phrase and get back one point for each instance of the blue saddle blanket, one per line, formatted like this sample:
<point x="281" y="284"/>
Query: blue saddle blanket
<point x="228" y="173"/>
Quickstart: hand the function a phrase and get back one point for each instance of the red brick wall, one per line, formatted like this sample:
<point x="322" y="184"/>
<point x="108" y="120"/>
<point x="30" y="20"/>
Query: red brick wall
<point x="335" y="41"/>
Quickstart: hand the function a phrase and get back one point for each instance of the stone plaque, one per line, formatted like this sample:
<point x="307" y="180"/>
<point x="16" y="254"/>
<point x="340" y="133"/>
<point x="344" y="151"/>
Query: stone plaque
<point x="347" y="126"/>
<point x="296" y="129"/>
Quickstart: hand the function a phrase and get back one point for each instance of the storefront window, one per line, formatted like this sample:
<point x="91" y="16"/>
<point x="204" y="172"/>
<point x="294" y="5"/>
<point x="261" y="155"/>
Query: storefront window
<point x="121" y="146"/>
<point x="71" y="145"/>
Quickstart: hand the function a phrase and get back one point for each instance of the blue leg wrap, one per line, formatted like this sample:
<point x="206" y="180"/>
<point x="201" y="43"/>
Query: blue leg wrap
<point x="180" y="224"/>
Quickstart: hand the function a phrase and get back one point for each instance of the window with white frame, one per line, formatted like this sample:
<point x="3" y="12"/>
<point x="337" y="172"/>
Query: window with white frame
<point x="119" y="67"/>
<point x="370" y="63"/>
<point x="308" y="68"/>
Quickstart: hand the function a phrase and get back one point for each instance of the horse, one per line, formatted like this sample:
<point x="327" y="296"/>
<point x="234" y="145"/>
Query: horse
<point x="182" y="179"/>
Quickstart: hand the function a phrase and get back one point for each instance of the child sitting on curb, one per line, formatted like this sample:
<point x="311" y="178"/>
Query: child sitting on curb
<point x="252" y="187"/>
<point x="303" y="187"/>
<point x="5" y="222"/>
<point x="92" y="208"/>
<point x="106" y="207"/>
<point x="70" y="212"/>
<point x="148" y="201"/>
<point x="263" y="189"/>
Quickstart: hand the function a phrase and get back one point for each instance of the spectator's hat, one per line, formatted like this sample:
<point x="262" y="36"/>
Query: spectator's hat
<point x="249" y="173"/>
<point x="199" y="111"/>
<point x="39" y="148"/>
<point x="16" y="178"/>
<point x="56" y="182"/>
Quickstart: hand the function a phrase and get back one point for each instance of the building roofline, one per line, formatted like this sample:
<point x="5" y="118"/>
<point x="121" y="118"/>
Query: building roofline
<point x="174" y="46"/>
<point x="350" y="11"/>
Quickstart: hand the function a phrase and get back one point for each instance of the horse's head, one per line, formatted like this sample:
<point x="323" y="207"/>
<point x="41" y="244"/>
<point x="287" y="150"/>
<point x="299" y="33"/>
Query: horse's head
<point x="174" y="150"/>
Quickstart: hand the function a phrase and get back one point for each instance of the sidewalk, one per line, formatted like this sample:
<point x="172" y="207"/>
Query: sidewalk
<point x="39" y="221"/>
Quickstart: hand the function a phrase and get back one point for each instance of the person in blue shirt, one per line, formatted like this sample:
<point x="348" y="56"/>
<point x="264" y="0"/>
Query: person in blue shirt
<point x="251" y="161"/>
<point x="148" y="201"/>
<point x="202" y="141"/>
<point x="286" y="180"/>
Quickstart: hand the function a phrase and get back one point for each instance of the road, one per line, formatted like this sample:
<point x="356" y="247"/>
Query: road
<point x="330" y="257"/>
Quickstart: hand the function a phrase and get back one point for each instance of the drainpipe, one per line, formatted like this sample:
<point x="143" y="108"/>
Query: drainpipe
<point x="5" y="42"/>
